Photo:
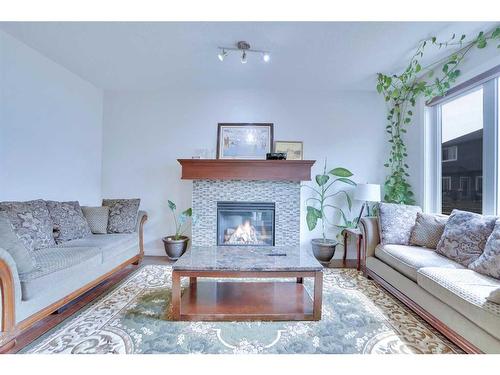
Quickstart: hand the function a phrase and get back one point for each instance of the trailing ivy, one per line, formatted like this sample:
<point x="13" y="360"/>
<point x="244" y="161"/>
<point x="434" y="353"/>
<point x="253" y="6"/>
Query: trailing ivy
<point x="401" y="93"/>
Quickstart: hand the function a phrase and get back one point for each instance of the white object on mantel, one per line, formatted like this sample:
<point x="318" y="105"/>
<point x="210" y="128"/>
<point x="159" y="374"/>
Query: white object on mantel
<point x="367" y="192"/>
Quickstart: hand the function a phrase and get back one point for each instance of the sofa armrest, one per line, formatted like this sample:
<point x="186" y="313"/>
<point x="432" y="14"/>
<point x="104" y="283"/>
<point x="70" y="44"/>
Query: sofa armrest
<point x="10" y="295"/>
<point x="142" y="217"/>
<point x="371" y="237"/>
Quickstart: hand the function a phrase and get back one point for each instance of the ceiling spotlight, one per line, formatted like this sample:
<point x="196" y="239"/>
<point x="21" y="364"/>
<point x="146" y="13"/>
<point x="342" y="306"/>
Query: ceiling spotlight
<point x="244" y="48"/>
<point x="222" y="55"/>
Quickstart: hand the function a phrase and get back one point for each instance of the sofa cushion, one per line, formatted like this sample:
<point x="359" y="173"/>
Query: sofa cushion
<point x="465" y="235"/>
<point x="396" y="222"/>
<point x="97" y="217"/>
<point x="494" y="296"/>
<point x="14" y="246"/>
<point x="31" y="222"/>
<point x="465" y="291"/>
<point x="68" y="219"/>
<point x="109" y="244"/>
<point x="489" y="262"/>
<point x="122" y="214"/>
<point x="409" y="259"/>
<point x="428" y="230"/>
<point x="52" y="262"/>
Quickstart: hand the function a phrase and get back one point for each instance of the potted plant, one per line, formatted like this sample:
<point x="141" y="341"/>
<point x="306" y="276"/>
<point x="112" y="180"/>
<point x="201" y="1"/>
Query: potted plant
<point x="176" y="244"/>
<point x="317" y="206"/>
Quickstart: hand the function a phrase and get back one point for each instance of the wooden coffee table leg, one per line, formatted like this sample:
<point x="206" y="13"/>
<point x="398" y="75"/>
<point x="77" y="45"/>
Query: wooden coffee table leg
<point x="176" y="296"/>
<point x="318" y="295"/>
<point x="359" y="253"/>
<point x="345" y="250"/>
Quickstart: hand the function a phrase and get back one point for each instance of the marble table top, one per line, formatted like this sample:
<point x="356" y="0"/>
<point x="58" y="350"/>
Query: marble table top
<point x="241" y="258"/>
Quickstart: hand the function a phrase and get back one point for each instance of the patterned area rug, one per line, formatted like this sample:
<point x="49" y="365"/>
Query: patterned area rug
<point x="358" y="317"/>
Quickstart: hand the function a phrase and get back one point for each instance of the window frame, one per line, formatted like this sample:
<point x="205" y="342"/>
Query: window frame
<point x="433" y="150"/>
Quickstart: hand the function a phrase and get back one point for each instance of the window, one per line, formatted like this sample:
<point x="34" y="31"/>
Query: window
<point x="446" y="182"/>
<point x="462" y="142"/>
<point x="450" y="153"/>
<point x="462" y="131"/>
<point x="464" y="184"/>
<point x="479" y="183"/>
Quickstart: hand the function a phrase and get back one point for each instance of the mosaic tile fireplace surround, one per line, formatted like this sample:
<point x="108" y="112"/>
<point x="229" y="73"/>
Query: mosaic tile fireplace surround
<point x="285" y="195"/>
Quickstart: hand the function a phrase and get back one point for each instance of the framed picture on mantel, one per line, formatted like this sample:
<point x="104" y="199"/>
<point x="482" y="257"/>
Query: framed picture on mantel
<point x="244" y="141"/>
<point x="294" y="150"/>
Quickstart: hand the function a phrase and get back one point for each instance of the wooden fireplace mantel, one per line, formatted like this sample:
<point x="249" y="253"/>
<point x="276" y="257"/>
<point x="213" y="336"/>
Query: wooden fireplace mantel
<point x="229" y="169"/>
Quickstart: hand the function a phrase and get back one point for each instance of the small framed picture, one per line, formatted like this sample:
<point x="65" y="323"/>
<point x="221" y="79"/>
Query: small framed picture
<point x="244" y="141"/>
<point x="294" y="149"/>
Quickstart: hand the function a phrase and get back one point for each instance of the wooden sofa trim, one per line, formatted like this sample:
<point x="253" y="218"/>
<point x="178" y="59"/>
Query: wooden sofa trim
<point x="450" y="334"/>
<point x="8" y="306"/>
<point x="10" y="329"/>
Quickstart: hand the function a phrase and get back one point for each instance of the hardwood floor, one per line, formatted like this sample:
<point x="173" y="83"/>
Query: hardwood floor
<point x="51" y="321"/>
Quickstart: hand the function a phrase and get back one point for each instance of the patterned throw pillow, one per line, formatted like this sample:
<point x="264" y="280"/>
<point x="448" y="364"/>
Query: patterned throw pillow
<point x="31" y="222"/>
<point x="97" y="217"/>
<point x="489" y="262"/>
<point x="24" y="259"/>
<point x="465" y="235"/>
<point x="428" y="230"/>
<point x="396" y="221"/>
<point x="68" y="219"/>
<point x="122" y="214"/>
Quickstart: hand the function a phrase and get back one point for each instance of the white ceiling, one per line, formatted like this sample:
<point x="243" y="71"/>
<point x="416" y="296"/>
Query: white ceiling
<point x="305" y="55"/>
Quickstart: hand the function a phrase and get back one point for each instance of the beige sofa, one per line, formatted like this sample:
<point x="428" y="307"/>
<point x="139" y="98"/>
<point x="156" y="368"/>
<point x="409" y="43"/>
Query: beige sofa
<point x="447" y="295"/>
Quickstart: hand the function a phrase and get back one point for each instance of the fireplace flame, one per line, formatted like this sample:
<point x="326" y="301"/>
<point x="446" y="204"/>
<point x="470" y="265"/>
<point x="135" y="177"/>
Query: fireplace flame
<point x="245" y="234"/>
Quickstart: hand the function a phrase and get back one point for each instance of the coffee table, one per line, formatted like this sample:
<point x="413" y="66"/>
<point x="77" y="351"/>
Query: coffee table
<point x="247" y="298"/>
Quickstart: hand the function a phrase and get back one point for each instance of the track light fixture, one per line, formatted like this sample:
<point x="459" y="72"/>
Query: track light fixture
<point x="222" y="55"/>
<point x="243" y="48"/>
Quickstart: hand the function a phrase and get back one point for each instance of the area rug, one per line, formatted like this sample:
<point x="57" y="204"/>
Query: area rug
<point x="358" y="317"/>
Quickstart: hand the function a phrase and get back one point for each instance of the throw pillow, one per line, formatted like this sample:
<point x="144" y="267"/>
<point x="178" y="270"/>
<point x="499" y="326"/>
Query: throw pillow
<point x="97" y="217"/>
<point x="13" y="245"/>
<point x="122" y="214"/>
<point x="489" y="261"/>
<point x="465" y="235"/>
<point x="396" y="222"/>
<point x="494" y="296"/>
<point x="31" y="222"/>
<point x="428" y="230"/>
<point x="68" y="219"/>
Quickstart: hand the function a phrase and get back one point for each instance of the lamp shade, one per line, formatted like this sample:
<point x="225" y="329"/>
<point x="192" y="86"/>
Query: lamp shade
<point x="367" y="192"/>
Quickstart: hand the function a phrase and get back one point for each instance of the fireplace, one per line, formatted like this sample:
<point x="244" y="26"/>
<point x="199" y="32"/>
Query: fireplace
<point x="245" y="223"/>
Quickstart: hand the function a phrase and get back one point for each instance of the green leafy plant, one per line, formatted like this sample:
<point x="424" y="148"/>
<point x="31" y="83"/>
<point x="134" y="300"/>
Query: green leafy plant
<point x="181" y="220"/>
<point x="317" y="205"/>
<point x="401" y="93"/>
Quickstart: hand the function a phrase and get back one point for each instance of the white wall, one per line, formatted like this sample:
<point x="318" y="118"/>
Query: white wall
<point x="50" y="129"/>
<point x="144" y="134"/>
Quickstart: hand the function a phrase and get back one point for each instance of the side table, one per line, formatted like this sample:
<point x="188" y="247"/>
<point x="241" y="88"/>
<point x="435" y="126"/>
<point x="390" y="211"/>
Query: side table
<point x="353" y="233"/>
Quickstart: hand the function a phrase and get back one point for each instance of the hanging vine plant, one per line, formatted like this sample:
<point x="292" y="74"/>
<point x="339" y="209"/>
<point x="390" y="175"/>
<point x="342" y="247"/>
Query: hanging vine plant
<point x="401" y="93"/>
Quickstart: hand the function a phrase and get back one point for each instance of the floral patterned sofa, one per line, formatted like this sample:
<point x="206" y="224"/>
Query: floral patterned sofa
<point x="61" y="270"/>
<point x="448" y="295"/>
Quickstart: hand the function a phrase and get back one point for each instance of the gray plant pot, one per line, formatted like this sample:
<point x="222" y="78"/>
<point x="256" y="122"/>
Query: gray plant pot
<point x="175" y="248"/>
<point x="323" y="249"/>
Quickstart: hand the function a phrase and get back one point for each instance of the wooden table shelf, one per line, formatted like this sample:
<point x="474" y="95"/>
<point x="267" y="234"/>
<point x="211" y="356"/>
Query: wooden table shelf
<point x="242" y="301"/>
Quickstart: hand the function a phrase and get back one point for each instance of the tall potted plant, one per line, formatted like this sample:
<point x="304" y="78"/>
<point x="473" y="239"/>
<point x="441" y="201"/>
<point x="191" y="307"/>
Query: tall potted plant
<point x="176" y="244"/>
<point x="321" y="202"/>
